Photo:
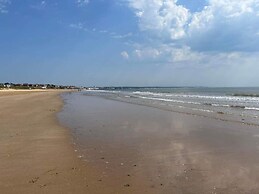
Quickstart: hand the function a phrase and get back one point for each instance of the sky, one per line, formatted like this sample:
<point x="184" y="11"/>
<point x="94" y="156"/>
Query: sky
<point x="130" y="42"/>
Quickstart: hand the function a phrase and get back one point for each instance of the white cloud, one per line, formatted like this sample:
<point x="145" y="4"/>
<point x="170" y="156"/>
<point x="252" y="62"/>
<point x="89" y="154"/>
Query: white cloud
<point x="121" y="36"/>
<point x="125" y="55"/>
<point x="228" y="25"/>
<point x="163" y="18"/>
<point x="81" y="26"/>
<point x="3" y="6"/>
<point x="103" y="31"/>
<point x="221" y="37"/>
<point x="77" y="26"/>
<point x="168" y="54"/>
<point x="193" y="67"/>
<point x="147" y="52"/>
<point x="82" y="2"/>
<point x="39" y="5"/>
<point x="43" y="3"/>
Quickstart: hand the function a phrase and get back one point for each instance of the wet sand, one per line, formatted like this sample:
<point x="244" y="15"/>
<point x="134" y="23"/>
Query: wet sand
<point x="120" y="148"/>
<point x="37" y="154"/>
<point x="139" y="149"/>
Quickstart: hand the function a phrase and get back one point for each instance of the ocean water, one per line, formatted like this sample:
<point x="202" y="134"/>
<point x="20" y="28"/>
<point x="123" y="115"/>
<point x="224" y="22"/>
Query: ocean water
<point x="231" y="104"/>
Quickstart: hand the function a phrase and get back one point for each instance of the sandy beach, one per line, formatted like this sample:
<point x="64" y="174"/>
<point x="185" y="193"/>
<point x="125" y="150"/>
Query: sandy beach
<point x="118" y="147"/>
<point x="37" y="154"/>
<point x="149" y="150"/>
<point x="129" y="97"/>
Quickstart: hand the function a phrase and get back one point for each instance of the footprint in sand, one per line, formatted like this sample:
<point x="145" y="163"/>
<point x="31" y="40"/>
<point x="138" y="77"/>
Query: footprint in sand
<point x="34" y="180"/>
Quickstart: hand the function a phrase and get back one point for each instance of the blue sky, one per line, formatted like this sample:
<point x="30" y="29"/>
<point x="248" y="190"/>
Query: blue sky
<point x="130" y="42"/>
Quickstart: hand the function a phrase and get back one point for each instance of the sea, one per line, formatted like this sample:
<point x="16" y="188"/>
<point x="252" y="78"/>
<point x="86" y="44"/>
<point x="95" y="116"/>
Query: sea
<point x="239" y="104"/>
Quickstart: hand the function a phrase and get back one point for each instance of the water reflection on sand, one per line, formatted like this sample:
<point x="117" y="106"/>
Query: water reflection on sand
<point x="149" y="150"/>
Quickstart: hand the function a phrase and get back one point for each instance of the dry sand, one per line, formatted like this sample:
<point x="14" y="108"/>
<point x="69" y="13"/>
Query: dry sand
<point x="37" y="155"/>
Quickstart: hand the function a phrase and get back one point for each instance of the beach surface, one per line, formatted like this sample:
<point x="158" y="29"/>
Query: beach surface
<point x="117" y="147"/>
<point x="141" y="149"/>
<point x="37" y="154"/>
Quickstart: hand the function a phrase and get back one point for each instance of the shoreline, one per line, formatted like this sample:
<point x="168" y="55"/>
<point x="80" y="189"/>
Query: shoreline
<point x="37" y="154"/>
<point x="217" y="116"/>
<point x="119" y="147"/>
<point x="149" y="150"/>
